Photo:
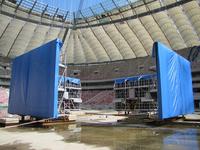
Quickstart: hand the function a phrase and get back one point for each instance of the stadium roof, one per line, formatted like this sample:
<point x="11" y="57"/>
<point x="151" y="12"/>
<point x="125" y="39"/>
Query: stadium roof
<point x="108" y="31"/>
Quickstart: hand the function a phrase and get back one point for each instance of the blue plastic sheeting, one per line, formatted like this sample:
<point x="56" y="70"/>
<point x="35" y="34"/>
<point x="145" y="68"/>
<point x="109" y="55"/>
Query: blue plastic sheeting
<point x="120" y="80"/>
<point x="135" y="78"/>
<point x="141" y="77"/>
<point x="34" y="82"/>
<point x="70" y="80"/>
<point x="175" y="95"/>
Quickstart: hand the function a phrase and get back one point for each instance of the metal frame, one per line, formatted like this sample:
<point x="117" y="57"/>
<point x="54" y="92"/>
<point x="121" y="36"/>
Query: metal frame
<point x="31" y="6"/>
<point x="74" y="91"/>
<point x="141" y="103"/>
<point x="79" y="25"/>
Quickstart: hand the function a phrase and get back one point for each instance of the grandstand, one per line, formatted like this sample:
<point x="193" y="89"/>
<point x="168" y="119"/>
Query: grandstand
<point x="109" y="40"/>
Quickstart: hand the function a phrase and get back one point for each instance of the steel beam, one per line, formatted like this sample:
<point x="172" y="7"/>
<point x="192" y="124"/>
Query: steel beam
<point x="32" y="7"/>
<point x="15" y="40"/>
<point x="45" y="9"/>
<point x="20" y="2"/>
<point x="136" y="16"/>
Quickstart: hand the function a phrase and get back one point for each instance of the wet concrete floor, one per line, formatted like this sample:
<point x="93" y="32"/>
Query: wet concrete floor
<point x="79" y="137"/>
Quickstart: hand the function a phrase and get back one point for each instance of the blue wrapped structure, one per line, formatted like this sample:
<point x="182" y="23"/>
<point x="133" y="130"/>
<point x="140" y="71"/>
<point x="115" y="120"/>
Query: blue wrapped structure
<point x="175" y="94"/>
<point x="135" y="78"/>
<point x="34" y="82"/>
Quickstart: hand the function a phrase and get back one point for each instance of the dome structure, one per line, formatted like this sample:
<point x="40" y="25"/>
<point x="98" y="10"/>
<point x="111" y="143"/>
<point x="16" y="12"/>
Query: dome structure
<point x="108" y="31"/>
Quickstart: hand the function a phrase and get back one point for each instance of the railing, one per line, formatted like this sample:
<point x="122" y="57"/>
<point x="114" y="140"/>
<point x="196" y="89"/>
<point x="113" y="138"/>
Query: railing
<point x="107" y="5"/>
<point x="100" y="11"/>
<point x="43" y="9"/>
<point x="50" y="11"/>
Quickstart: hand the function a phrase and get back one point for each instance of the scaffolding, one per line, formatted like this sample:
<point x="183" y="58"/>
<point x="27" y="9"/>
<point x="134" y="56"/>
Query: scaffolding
<point x="137" y="94"/>
<point x="69" y="92"/>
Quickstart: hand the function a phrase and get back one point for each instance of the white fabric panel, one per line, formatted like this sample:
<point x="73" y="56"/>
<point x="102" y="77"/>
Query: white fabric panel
<point x="142" y="35"/>
<point x="38" y="37"/>
<point x="132" y="40"/>
<point x="192" y="10"/>
<point x="107" y="43"/>
<point x="9" y="35"/>
<point x="95" y="45"/>
<point x="168" y="2"/>
<point x="128" y="13"/>
<point x="170" y="30"/>
<point x="154" y="30"/>
<point x="4" y="21"/>
<point x="89" y="53"/>
<point x="122" y="45"/>
<point x="79" y="56"/>
<point x="52" y="34"/>
<point x="167" y="26"/>
<point x="23" y="39"/>
<point x="181" y="21"/>
<point x="152" y="27"/>
<point x="69" y="50"/>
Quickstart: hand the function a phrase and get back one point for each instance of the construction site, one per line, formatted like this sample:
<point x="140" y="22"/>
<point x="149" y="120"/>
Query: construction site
<point x="99" y="74"/>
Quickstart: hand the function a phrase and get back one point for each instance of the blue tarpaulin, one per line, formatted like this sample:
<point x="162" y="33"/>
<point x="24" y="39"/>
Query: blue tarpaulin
<point x="175" y="94"/>
<point x="34" y="82"/>
<point x="135" y="78"/>
<point x="70" y="80"/>
<point x="120" y="80"/>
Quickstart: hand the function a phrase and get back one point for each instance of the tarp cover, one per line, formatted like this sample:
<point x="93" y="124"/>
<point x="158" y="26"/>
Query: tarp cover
<point x="175" y="95"/>
<point x="34" y="82"/>
<point x="135" y="78"/>
<point x="70" y="80"/>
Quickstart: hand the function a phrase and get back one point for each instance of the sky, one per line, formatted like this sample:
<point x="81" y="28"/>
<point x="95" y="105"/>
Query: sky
<point x="71" y="5"/>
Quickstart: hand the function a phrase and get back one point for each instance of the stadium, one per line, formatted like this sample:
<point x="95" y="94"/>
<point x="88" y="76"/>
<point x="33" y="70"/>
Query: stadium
<point x="110" y="55"/>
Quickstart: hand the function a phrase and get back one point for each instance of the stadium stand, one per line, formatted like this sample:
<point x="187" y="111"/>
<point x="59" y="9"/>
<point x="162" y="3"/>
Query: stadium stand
<point x="4" y="92"/>
<point x="101" y="100"/>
